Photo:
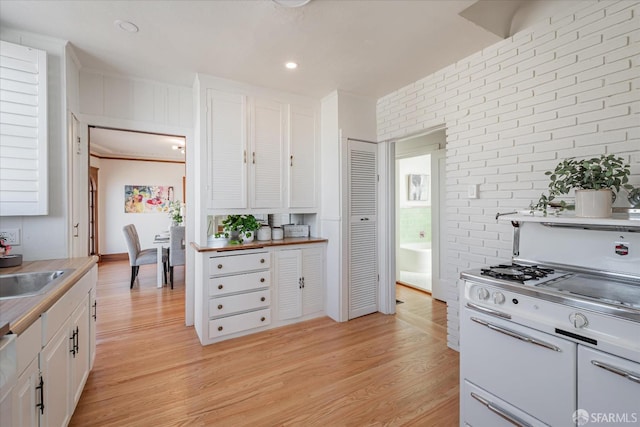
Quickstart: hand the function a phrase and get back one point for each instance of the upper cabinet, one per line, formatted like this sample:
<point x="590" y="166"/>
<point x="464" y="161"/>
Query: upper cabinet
<point x="261" y="154"/>
<point x="23" y="131"/>
<point x="302" y="158"/>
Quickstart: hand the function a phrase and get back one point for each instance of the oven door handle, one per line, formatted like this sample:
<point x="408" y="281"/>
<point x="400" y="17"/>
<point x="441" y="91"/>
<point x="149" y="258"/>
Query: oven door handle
<point x="517" y="335"/>
<point x="618" y="371"/>
<point x="501" y="412"/>
<point x="488" y="311"/>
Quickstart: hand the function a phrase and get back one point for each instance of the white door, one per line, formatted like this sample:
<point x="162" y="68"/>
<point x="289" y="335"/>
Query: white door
<point x="227" y="150"/>
<point x="362" y="184"/>
<point x="302" y="158"/>
<point x="55" y="366"/>
<point x="267" y="146"/>
<point x="312" y="280"/>
<point x="80" y="355"/>
<point x="79" y="182"/>
<point x="26" y="397"/>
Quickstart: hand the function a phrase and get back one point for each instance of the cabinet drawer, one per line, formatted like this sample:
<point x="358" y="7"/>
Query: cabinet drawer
<point x="241" y="282"/>
<point x="239" y="263"/>
<point x="237" y="303"/>
<point x="240" y="322"/>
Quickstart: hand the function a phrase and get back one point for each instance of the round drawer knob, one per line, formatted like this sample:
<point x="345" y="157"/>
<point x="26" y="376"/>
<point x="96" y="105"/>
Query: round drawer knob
<point x="261" y="260"/>
<point x="262" y="280"/>
<point x="219" y="328"/>
<point x="262" y="319"/>
<point x="263" y="299"/>
<point x="220" y="286"/>
<point x="219" y="266"/>
<point x="219" y="306"/>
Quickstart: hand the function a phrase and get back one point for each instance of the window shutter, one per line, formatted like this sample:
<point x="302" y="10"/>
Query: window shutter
<point x="23" y="130"/>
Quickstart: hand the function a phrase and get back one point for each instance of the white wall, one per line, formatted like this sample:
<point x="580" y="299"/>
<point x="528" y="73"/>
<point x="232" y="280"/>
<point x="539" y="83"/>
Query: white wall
<point x="112" y="177"/>
<point x="567" y="86"/>
<point x="46" y="237"/>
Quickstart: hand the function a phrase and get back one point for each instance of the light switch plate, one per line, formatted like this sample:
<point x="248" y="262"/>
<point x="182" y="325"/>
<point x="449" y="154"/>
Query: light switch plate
<point x="11" y="236"/>
<point x="472" y="191"/>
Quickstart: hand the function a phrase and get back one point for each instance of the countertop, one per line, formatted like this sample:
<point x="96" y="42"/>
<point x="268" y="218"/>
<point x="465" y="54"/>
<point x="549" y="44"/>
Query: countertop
<point x="223" y="245"/>
<point x="20" y="313"/>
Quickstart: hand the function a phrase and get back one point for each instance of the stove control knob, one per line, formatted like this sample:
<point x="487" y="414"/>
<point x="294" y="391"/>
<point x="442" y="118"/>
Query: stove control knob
<point x="498" y="298"/>
<point x="483" y="294"/>
<point x="578" y="320"/>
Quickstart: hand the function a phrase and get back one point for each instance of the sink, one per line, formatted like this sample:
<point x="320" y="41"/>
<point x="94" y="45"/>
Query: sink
<point x="29" y="284"/>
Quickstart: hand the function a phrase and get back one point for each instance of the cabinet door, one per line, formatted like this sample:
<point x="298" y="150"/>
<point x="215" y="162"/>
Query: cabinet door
<point x="289" y="273"/>
<point x="80" y="354"/>
<point x="302" y="158"/>
<point x="25" y="397"/>
<point x="313" y="280"/>
<point x="227" y="150"/>
<point x="93" y="318"/>
<point x="55" y="365"/>
<point x="267" y="145"/>
<point x="608" y="384"/>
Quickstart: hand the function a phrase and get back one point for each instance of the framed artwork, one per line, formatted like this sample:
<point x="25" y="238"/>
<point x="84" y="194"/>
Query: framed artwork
<point x="418" y="188"/>
<point x="147" y="198"/>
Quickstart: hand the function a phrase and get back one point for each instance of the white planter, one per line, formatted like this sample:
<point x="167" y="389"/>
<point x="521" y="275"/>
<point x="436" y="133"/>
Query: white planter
<point x="593" y="203"/>
<point x="246" y="239"/>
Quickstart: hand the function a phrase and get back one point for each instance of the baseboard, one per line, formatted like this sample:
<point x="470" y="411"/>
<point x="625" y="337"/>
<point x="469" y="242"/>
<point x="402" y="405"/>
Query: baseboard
<point x="114" y="257"/>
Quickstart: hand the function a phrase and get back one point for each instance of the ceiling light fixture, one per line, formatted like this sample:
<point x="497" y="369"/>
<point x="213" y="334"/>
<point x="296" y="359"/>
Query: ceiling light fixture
<point x="291" y="3"/>
<point x="291" y="65"/>
<point x="127" y="26"/>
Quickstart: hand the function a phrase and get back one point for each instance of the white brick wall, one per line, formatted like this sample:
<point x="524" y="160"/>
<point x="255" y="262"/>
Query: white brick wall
<point x="569" y="86"/>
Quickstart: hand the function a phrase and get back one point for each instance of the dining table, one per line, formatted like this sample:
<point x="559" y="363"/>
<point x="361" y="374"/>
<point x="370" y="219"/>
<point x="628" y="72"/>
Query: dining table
<point x="161" y="241"/>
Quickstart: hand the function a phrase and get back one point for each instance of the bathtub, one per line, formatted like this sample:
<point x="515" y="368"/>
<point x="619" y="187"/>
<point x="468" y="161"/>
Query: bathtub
<point x="415" y="257"/>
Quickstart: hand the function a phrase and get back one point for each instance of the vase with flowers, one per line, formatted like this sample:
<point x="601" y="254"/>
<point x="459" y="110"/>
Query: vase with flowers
<point x="175" y="211"/>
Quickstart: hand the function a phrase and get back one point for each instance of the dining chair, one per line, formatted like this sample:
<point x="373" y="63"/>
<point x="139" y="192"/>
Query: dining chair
<point x="176" y="249"/>
<point x="138" y="256"/>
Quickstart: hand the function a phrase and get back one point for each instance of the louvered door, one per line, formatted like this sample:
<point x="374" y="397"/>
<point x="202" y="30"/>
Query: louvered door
<point x="363" y="251"/>
<point x="267" y="146"/>
<point x="23" y="131"/>
<point x="227" y="144"/>
<point x="302" y="158"/>
<point x="289" y="274"/>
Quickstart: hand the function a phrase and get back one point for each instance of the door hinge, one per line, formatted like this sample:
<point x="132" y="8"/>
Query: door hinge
<point x="78" y="146"/>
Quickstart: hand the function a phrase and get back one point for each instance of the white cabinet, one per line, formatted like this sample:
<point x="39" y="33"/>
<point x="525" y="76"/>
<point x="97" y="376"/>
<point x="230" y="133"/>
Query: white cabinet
<point x="227" y="150"/>
<point x="93" y="307"/>
<point x="266" y="148"/>
<point x="302" y="157"/>
<point x="238" y="295"/>
<point x="245" y="138"/>
<point x="55" y="365"/>
<point x="300" y="279"/>
<point x="240" y="289"/>
<point x="54" y="357"/>
<point x="26" y="396"/>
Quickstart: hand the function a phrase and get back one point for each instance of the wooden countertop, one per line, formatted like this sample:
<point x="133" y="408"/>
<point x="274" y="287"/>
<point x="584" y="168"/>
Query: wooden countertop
<point x="20" y="313"/>
<point x="223" y="245"/>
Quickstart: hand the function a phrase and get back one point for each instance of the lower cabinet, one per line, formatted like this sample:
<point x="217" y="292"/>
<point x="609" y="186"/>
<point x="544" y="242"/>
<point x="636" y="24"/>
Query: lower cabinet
<point x="61" y="346"/>
<point x="300" y="278"/>
<point x="247" y="291"/>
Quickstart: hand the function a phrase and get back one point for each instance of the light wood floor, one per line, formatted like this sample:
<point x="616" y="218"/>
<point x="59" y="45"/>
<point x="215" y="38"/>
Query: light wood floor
<point x="377" y="370"/>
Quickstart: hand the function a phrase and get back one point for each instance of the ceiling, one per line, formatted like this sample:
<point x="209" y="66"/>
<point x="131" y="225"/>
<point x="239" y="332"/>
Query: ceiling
<point x="122" y="144"/>
<point x="366" y="47"/>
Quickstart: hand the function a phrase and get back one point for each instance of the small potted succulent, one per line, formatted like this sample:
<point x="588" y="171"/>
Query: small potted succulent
<point x="239" y="228"/>
<point x="593" y="181"/>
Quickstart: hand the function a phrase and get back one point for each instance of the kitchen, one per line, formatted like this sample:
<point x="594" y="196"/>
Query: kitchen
<point x="509" y="118"/>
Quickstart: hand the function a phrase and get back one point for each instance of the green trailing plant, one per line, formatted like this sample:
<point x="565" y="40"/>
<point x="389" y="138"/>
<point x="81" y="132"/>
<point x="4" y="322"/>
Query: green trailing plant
<point x="598" y="173"/>
<point x="244" y="225"/>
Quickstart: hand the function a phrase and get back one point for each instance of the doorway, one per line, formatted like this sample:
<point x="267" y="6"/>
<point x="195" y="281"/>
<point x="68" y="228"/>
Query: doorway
<point x="419" y="206"/>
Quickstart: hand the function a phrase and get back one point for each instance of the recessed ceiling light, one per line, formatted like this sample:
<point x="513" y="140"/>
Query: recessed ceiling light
<point x="291" y="65"/>
<point x="127" y="26"/>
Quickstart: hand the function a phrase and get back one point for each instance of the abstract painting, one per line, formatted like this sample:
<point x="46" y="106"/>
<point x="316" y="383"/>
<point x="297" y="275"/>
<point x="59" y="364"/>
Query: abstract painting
<point x="147" y="198"/>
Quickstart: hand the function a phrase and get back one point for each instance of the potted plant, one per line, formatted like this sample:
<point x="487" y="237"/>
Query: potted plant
<point x="593" y="181"/>
<point x="175" y="212"/>
<point x="239" y="228"/>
